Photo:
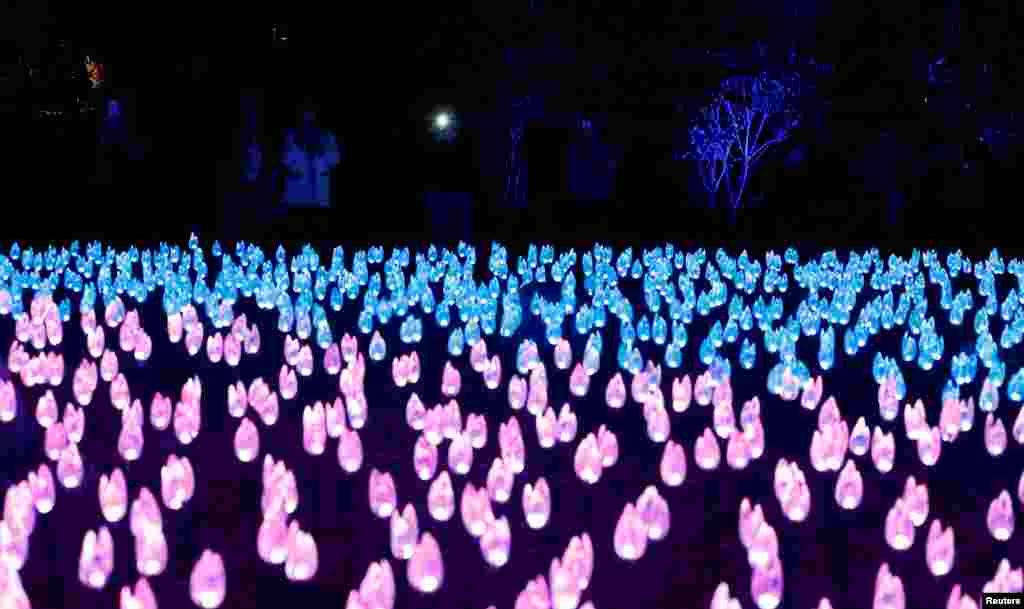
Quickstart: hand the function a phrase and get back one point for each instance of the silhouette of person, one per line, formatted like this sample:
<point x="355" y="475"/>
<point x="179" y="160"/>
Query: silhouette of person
<point x="310" y="153"/>
<point x="252" y="146"/>
<point x="117" y="154"/>
<point x="112" y="140"/>
<point x="252" y="179"/>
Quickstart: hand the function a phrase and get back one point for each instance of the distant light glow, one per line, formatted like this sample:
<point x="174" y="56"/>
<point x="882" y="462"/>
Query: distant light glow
<point x="444" y="123"/>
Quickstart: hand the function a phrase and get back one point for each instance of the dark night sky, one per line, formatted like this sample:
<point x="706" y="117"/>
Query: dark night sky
<point x="379" y="74"/>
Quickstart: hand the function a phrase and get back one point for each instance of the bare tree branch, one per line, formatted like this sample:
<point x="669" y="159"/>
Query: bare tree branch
<point x="729" y="138"/>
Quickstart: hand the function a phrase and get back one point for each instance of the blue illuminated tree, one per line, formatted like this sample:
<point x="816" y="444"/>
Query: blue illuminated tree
<point x="711" y="144"/>
<point x="747" y="117"/>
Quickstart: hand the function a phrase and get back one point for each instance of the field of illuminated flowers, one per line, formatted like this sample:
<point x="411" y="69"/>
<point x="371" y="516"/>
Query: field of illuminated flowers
<point x="379" y="429"/>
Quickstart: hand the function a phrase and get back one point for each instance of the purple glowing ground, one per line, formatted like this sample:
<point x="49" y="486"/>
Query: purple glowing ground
<point x="173" y="461"/>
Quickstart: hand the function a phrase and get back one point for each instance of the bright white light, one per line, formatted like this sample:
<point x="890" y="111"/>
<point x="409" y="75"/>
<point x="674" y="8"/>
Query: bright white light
<point x="442" y="120"/>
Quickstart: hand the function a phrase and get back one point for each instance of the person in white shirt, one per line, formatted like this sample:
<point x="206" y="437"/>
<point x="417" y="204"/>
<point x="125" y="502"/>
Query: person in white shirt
<point x="310" y="153"/>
